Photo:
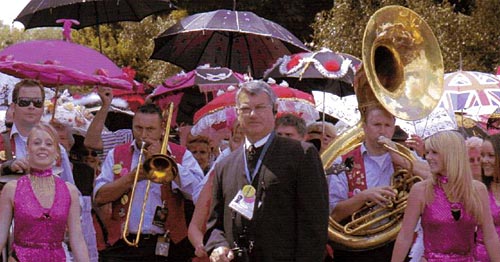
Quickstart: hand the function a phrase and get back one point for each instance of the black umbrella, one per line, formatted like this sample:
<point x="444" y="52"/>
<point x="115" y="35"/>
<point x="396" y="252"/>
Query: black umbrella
<point x="241" y="41"/>
<point x="42" y="13"/>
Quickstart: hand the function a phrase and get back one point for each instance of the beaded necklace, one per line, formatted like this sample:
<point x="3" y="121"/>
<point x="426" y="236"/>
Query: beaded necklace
<point x="43" y="184"/>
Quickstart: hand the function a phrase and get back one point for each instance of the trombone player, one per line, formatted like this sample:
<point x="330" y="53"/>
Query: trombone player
<point x="163" y="232"/>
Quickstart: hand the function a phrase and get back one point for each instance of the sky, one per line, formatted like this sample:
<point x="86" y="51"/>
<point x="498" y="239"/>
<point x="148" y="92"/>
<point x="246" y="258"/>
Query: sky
<point x="9" y="9"/>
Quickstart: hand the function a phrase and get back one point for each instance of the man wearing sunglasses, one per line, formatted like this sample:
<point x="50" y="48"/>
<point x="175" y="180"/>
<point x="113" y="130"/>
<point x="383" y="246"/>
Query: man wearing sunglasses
<point x="28" y="99"/>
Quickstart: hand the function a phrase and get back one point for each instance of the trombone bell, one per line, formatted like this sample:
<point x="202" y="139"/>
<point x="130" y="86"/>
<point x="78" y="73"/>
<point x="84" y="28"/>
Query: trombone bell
<point x="161" y="168"/>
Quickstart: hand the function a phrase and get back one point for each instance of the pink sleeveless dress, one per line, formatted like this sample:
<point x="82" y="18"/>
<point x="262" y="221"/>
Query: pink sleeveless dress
<point x="38" y="231"/>
<point x="481" y="254"/>
<point x="445" y="239"/>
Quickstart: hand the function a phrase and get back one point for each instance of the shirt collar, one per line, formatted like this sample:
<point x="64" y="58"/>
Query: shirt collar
<point x="259" y="143"/>
<point x="15" y="131"/>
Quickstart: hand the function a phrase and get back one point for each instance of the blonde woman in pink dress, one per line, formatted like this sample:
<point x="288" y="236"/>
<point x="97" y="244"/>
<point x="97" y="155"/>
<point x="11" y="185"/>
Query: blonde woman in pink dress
<point x="42" y="205"/>
<point x="450" y="204"/>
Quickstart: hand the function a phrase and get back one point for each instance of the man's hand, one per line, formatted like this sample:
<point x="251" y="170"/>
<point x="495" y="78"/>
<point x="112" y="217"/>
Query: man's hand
<point x="106" y="95"/>
<point x="378" y="195"/>
<point x="200" y="251"/>
<point x="221" y="254"/>
<point x="16" y="166"/>
<point x="152" y="147"/>
<point x="397" y="159"/>
<point x="417" y="143"/>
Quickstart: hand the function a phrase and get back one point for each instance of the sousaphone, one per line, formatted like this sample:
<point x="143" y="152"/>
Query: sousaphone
<point x="403" y="70"/>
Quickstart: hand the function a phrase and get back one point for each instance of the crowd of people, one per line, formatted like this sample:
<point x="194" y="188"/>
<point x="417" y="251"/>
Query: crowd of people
<point x="265" y="196"/>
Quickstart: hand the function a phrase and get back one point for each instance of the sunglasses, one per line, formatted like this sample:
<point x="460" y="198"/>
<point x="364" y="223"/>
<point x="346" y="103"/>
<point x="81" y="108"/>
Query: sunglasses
<point x="90" y="153"/>
<point x="26" y="101"/>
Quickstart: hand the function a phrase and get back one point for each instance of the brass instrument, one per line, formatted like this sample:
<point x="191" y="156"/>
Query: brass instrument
<point x="159" y="168"/>
<point x="404" y="73"/>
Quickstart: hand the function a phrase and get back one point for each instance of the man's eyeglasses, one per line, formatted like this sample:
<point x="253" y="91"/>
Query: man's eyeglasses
<point x="26" y="101"/>
<point x="244" y="110"/>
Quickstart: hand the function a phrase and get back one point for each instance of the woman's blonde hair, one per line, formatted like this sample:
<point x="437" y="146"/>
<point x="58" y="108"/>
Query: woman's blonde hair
<point x="451" y="146"/>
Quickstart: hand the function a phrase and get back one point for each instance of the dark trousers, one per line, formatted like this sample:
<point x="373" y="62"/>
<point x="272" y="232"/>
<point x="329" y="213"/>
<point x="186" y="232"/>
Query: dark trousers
<point x="145" y="252"/>
<point x="380" y="254"/>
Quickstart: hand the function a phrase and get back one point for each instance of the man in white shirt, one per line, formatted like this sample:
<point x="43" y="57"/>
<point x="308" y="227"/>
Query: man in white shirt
<point x="28" y="98"/>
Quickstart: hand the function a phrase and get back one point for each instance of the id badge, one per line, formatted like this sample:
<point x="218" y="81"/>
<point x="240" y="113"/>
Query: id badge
<point x="160" y="217"/>
<point x="245" y="208"/>
<point x="162" y="246"/>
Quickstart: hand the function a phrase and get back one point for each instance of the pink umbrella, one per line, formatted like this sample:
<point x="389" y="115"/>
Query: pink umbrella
<point x="190" y="91"/>
<point x="70" y="55"/>
<point x="219" y="114"/>
<point x="54" y="75"/>
<point x="207" y="79"/>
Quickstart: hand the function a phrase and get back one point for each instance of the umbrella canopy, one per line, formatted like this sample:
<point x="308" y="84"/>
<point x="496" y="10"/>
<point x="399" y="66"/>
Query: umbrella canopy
<point x="475" y="93"/>
<point x="54" y="75"/>
<point x="192" y="90"/>
<point x="345" y="109"/>
<point x="322" y="70"/>
<point x="241" y="41"/>
<point x="341" y="108"/>
<point x="206" y="78"/>
<point x="220" y="113"/>
<point x="71" y="55"/>
<point x="41" y="13"/>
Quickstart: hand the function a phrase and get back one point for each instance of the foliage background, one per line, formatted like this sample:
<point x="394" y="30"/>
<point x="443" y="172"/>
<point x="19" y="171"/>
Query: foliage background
<point x="468" y="42"/>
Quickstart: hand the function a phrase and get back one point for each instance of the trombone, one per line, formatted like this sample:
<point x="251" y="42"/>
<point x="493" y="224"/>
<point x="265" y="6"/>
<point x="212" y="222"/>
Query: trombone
<point x="160" y="168"/>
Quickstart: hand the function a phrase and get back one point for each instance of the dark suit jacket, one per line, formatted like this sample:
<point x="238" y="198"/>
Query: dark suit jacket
<point x="291" y="224"/>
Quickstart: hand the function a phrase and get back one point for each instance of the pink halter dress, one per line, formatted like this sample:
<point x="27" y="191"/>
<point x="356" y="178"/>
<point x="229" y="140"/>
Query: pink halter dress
<point x="481" y="254"/>
<point x="38" y="231"/>
<point x="447" y="239"/>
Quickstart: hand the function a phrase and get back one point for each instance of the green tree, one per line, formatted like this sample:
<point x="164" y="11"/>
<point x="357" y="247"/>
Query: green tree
<point x="131" y="44"/>
<point x="9" y="36"/>
<point x="467" y="42"/>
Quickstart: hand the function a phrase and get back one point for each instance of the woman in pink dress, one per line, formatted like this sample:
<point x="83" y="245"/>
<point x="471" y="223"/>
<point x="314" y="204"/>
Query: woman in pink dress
<point x="450" y="204"/>
<point x="42" y="205"/>
<point x="490" y="157"/>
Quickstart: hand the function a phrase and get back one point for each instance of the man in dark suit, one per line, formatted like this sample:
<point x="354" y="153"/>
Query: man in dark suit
<point x="269" y="203"/>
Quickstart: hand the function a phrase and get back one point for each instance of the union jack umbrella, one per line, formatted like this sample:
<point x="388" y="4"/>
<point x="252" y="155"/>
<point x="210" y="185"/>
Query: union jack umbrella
<point x="471" y="93"/>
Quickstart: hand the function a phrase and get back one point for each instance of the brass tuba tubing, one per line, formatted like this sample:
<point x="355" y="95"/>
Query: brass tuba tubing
<point x="125" y="232"/>
<point x="402" y="72"/>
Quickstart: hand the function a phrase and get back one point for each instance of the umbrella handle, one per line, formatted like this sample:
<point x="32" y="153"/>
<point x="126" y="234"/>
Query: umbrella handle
<point x="56" y="95"/>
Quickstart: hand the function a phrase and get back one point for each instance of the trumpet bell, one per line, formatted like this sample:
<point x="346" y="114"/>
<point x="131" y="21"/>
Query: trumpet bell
<point x="161" y="168"/>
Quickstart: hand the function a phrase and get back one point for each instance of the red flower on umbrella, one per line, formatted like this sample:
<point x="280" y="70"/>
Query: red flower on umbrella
<point x="332" y="66"/>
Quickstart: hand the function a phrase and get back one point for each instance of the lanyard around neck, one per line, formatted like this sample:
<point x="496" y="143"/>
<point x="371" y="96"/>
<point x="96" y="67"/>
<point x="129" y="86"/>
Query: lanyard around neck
<point x="259" y="161"/>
